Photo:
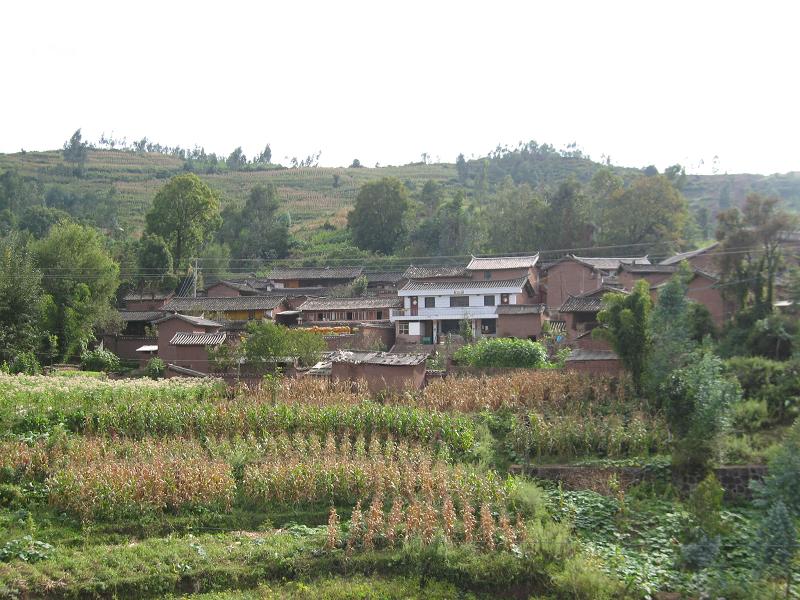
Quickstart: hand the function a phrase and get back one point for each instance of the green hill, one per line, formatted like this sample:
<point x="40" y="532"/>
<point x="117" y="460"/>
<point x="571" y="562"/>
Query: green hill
<point x="312" y="196"/>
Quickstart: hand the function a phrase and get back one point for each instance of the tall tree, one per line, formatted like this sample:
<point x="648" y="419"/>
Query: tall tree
<point x="462" y="168"/>
<point x="566" y="223"/>
<point x="20" y="299"/>
<point x="624" y="323"/>
<point x="256" y="230"/>
<point x="266" y="155"/>
<point x="185" y="213"/>
<point x="377" y="220"/>
<point x="81" y="278"/>
<point x="751" y="254"/>
<point x="236" y="159"/>
<point x="154" y="261"/>
<point x="76" y="151"/>
<point x="516" y="218"/>
<point x="650" y="213"/>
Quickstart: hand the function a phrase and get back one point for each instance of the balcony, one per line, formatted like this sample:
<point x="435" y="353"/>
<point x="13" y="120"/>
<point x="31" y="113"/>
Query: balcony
<point x="441" y="313"/>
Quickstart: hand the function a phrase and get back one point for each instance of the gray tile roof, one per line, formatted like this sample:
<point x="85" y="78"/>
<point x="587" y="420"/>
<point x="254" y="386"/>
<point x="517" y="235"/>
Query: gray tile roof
<point x="384" y="276"/>
<point x="378" y="358"/>
<point x="674" y="260"/>
<point x="200" y="321"/>
<point x="430" y="272"/>
<point x="198" y="339"/>
<point x="583" y="354"/>
<point x="660" y="268"/>
<point x="502" y="262"/>
<point x="315" y="272"/>
<point x="469" y="284"/>
<point x="611" y="263"/>
<point x="140" y="315"/>
<point x="351" y="303"/>
<point x="133" y="296"/>
<point x="206" y="304"/>
<point x="520" y="309"/>
<point x="588" y="302"/>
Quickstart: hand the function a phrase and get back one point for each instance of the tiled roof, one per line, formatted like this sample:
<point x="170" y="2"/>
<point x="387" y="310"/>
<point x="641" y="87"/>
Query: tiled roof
<point x="315" y="272"/>
<point x="502" y="262"/>
<point x="584" y="354"/>
<point x="431" y="272"/>
<point x="140" y="315"/>
<point x="674" y="260"/>
<point x="148" y="295"/>
<point x="200" y="321"/>
<point x="378" y="358"/>
<point x="469" y="284"/>
<point x="611" y="263"/>
<point x="588" y="302"/>
<point x="206" y="304"/>
<point x="384" y="277"/>
<point x="660" y="268"/>
<point x="351" y="303"/>
<point x="520" y="309"/>
<point x="243" y="286"/>
<point x="198" y="339"/>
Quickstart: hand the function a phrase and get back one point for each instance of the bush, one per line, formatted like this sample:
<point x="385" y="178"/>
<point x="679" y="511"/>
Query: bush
<point x="503" y="352"/>
<point x="99" y="360"/>
<point x="783" y="479"/>
<point x="25" y="363"/>
<point x="750" y="416"/>
<point x="155" y="368"/>
<point x="705" y="504"/>
<point x="776" y="383"/>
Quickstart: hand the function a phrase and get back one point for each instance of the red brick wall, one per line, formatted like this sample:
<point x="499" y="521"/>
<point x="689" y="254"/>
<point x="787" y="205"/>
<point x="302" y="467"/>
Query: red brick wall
<point x="567" y="278"/>
<point x="145" y="304"/>
<point x="700" y="290"/>
<point x="220" y="290"/>
<point x="519" y="326"/>
<point x="628" y="280"/>
<point x="181" y="355"/>
<point x="381" y="377"/>
<point x="125" y="346"/>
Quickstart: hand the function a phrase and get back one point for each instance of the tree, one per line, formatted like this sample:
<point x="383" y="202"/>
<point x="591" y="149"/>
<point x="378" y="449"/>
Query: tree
<point x="669" y="330"/>
<point x="696" y="401"/>
<point x="676" y="174"/>
<point x="462" y="168"/>
<point x="356" y="164"/>
<point x="377" y="220"/>
<point x="649" y="212"/>
<point x="265" y="157"/>
<point x="266" y="341"/>
<point x="566" y="223"/>
<point x="516" y="224"/>
<point x="624" y="323"/>
<point x="185" y="213"/>
<point x="39" y="219"/>
<point x="776" y="544"/>
<point x="782" y="483"/>
<point x="20" y="299"/>
<point x="81" y="279"/>
<point x="236" y="159"/>
<point x="76" y="151"/>
<point x="750" y="254"/>
<point x="256" y="230"/>
<point x="154" y="259"/>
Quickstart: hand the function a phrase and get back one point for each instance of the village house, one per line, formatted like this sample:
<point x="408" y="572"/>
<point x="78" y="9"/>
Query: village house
<point x="236" y="308"/>
<point x="347" y="311"/>
<point x="704" y="258"/>
<point x="146" y="301"/>
<point x="505" y="267"/>
<point x="384" y="283"/>
<point x="297" y="277"/>
<point x="579" y="312"/>
<point x="434" y="308"/>
<point x="381" y="370"/>
<point x="183" y="342"/>
<point x="575" y="275"/>
<point x="436" y="273"/>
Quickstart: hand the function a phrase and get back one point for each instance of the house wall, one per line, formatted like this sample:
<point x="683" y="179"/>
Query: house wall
<point x="628" y="280"/>
<point x="191" y="357"/>
<point x="519" y="326"/>
<point x="569" y="277"/>
<point x="182" y="355"/>
<point x="125" y="346"/>
<point x="705" y="262"/>
<point x="587" y="342"/>
<point x="381" y="377"/>
<point x="700" y="290"/>
<point x="146" y="304"/>
<point x="577" y="323"/>
<point x="220" y="290"/>
<point x="480" y="275"/>
<point x="595" y="367"/>
<point x="355" y="315"/>
<point x="364" y="338"/>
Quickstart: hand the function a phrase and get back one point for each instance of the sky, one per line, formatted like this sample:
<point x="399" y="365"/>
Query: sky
<point x="645" y="82"/>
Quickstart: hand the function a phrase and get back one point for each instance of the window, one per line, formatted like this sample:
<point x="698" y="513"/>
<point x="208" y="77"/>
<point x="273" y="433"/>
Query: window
<point x="402" y="328"/>
<point x="487" y="274"/>
<point x="488" y="326"/>
<point x="430" y="302"/>
<point x="503" y="298"/>
<point x="320" y="316"/>
<point x="459" y="301"/>
<point x="379" y="315"/>
<point x="251" y="314"/>
<point x="488" y="301"/>
<point x="349" y="316"/>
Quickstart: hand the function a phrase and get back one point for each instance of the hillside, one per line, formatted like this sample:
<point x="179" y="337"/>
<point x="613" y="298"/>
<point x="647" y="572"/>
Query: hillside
<point x="312" y="196"/>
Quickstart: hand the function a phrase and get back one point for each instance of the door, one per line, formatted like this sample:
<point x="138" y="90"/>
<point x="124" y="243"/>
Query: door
<point x="414" y="306"/>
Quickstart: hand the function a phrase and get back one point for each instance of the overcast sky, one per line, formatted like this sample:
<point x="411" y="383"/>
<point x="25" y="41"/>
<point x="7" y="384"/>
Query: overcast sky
<point x="641" y="82"/>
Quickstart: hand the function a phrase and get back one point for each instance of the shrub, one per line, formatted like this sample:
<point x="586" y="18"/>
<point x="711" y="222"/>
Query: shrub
<point x="503" y="352"/>
<point x="25" y="363"/>
<point x="99" y="360"/>
<point x="776" y="383"/>
<point x="705" y="504"/>
<point x="155" y="368"/>
<point x="783" y="479"/>
<point x="749" y="416"/>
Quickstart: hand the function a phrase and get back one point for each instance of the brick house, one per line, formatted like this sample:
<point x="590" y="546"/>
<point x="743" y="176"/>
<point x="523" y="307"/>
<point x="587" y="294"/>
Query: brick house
<point x="580" y="312"/>
<point x="704" y="258"/>
<point x="381" y="370"/>
<point x="297" y="277"/>
<point x="384" y="283"/>
<point x="235" y="308"/>
<point x="146" y="301"/>
<point x="264" y="287"/>
<point x="183" y="341"/>
<point x="348" y="310"/>
<point x="434" y="308"/>
<point x="575" y="275"/>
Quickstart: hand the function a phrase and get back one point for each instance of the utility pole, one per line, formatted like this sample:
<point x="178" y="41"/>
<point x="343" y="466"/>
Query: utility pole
<point x="194" y="280"/>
